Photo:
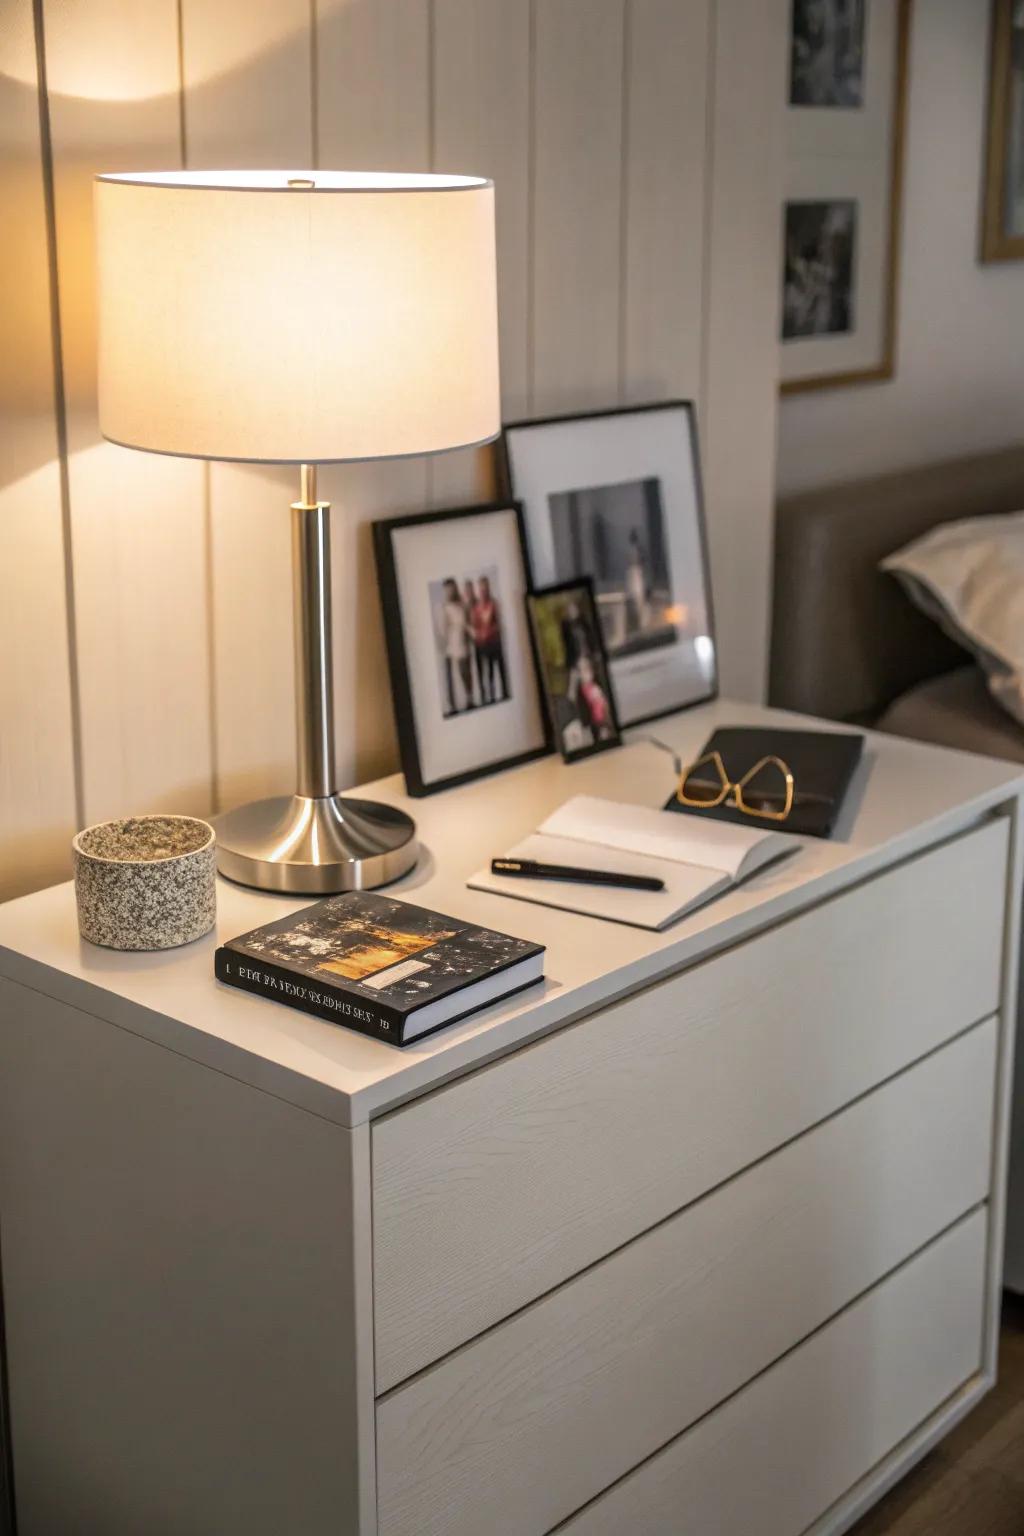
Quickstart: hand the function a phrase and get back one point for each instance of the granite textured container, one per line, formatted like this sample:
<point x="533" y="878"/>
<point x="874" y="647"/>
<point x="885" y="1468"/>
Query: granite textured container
<point x="148" y="882"/>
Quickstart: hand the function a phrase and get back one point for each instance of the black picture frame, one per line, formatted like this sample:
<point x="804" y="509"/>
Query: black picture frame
<point x="687" y="412"/>
<point x="385" y="533"/>
<point x="583" y="586"/>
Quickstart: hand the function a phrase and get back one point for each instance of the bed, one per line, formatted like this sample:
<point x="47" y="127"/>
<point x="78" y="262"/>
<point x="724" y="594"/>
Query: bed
<point x="848" y="644"/>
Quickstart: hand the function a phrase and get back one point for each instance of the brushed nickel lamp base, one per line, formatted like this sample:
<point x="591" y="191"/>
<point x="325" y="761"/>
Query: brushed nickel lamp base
<point x="316" y="841"/>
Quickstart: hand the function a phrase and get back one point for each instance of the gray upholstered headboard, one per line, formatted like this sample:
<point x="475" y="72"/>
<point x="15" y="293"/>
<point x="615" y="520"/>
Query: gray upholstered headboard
<point x="845" y="639"/>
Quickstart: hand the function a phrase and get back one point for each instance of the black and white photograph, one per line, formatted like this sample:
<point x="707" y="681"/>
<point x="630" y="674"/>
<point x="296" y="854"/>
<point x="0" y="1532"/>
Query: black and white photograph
<point x="818" y="272"/>
<point x="468" y="633"/>
<point x="840" y="220"/>
<point x="614" y="497"/>
<point x="453" y="596"/>
<point x="827" y="53"/>
<point x="574" y="669"/>
<point x="1003" y="200"/>
<point x="617" y="534"/>
<point x="1015" y="163"/>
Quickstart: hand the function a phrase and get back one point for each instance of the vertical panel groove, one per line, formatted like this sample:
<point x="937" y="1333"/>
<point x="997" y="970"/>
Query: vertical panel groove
<point x="432" y="84"/>
<point x="314" y="88"/>
<point x="428" y="463"/>
<point x="741" y="307"/>
<point x="627" y="16"/>
<point x="578" y="217"/>
<point x="709" y="182"/>
<point x="209" y="578"/>
<point x="210" y="594"/>
<point x="531" y="207"/>
<point x="59" y="406"/>
<point x="182" y="125"/>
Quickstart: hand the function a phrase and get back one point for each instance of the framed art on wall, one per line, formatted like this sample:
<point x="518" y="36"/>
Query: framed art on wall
<point x="1002" y="228"/>
<point x="841" y="217"/>
<point x="574" y="669"/>
<point x="616" y="496"/>
<point x="453" y="591"/>
<point x="826" y="53"/>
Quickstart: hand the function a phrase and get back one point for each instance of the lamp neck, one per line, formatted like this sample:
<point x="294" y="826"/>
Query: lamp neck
<point x="314" y="670"/>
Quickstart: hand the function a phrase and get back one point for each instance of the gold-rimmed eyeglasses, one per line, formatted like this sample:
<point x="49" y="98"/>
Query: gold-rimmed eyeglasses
<point x="765" y="790"/>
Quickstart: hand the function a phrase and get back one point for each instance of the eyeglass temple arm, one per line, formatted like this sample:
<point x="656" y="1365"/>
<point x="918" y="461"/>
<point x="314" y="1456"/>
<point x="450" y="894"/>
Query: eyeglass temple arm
<point x="663" y="746"/>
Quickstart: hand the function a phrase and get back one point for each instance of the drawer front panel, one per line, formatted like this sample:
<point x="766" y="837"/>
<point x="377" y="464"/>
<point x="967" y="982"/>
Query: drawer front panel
<point x="778" y="1455"/>
<point x="492" y="1191"/>
<point x="522" y="1427"/>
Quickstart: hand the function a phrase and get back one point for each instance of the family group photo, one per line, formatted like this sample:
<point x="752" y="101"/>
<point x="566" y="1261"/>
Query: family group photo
<point x="470" y="644"/>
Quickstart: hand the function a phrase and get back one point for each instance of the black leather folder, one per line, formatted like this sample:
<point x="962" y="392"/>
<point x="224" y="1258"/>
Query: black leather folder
<point x="822" y="764"/>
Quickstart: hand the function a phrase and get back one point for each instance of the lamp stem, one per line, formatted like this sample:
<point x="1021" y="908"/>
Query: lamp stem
<point x="316" y="841"/>
<point x="314" y="671"/>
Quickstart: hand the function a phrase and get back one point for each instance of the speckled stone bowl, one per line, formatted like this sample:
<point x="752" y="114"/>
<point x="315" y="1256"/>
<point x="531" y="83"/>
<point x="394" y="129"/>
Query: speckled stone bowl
<point x="147" y="882"/>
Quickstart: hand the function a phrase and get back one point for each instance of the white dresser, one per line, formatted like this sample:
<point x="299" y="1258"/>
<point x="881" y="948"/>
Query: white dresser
<point x="702" y="1237"/>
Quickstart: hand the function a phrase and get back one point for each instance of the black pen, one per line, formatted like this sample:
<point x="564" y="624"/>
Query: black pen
<point x="529" y="869"/>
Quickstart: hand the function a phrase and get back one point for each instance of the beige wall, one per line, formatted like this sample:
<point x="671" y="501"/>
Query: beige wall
<point x="145" y="632"/>
<point x="959" y="385"/>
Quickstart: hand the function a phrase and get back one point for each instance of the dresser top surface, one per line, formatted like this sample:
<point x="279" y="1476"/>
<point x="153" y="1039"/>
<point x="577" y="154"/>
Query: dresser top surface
<point x="905" y="796"/>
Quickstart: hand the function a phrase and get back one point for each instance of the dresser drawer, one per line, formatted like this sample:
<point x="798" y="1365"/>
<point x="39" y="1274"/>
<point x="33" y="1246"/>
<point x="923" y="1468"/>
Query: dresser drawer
<point x="522" y="1427"/>
<point x="492" y="1191"/>
<point x="779" y="1454"/>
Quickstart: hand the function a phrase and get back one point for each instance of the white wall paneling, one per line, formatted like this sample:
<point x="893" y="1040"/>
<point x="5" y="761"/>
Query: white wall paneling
<point x="247" y="74"/>
<point x="743" y="257"/>
<point x="665" y="161"/>
<point x="137" y="521"/>
<point x="577" y="204"/>
<point x="481" y="126"/>
<point x="37" y="789"/>
<point x="633" y="145"/>
<point x="373" y="113"/>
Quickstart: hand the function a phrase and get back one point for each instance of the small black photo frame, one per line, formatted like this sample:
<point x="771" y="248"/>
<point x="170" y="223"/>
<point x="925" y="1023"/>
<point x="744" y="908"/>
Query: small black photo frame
<point x="453" y="587"/>
<point x="573" y="668"/>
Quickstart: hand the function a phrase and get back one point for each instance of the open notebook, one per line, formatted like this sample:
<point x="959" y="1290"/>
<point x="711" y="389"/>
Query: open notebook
<point x="696" y="859"/>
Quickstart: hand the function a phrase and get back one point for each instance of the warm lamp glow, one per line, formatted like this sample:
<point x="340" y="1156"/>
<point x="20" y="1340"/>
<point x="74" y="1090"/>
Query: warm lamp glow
<point x="351" y="317"/>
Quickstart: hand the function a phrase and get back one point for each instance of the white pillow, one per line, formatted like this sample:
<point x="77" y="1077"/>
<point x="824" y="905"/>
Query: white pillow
<point x="969" y="578"/>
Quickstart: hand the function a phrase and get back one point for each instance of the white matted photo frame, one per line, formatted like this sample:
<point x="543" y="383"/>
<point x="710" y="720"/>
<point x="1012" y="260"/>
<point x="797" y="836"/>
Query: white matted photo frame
<point x="616" y="496"/>
<point x="453" y="591"/>
<point x="844" y="173"/>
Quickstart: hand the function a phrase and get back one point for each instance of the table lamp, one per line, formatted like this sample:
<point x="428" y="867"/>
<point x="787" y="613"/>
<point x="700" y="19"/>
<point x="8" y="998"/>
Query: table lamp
<point x="300" y="317"/>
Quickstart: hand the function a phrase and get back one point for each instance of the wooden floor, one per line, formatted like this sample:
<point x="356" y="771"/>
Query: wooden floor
<point x="973" y="1483"/>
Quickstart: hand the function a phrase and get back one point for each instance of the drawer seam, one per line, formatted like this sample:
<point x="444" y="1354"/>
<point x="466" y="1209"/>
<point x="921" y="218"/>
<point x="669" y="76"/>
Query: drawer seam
<point x="743" y="1387"/>
<point x="716" y="1189"/>
<point x="712" y="954"/>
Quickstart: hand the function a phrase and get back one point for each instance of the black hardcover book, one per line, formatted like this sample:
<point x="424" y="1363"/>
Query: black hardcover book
<point x="822" y="764"/>
<point x="379" y="965"/>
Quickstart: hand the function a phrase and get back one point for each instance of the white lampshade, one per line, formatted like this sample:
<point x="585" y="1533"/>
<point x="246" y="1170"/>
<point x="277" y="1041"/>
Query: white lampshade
<point x="244" y="318"/>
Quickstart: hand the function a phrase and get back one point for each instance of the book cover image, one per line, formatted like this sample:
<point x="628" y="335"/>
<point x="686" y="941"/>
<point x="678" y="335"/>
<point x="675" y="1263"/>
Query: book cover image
<point x="383" y="949"/>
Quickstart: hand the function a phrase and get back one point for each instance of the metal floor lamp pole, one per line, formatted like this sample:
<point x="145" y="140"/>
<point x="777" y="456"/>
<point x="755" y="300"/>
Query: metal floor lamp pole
<point x="316" y="840"/>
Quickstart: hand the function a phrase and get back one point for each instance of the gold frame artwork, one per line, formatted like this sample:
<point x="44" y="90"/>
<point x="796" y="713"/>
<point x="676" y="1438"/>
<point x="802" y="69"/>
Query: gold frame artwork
<point x="886" y="367"/>
<point x="996" y="244"/>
